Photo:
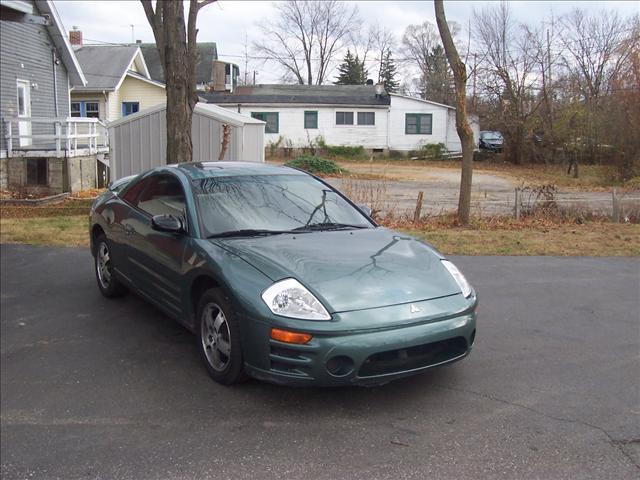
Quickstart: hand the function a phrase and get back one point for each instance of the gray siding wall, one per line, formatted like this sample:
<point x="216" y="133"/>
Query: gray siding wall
<point x="140" y="144"/>
<point x="253" y="143"/>
<point x="26" y="54"/>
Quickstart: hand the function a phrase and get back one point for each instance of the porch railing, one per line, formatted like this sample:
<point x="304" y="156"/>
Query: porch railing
<point x="75" y="135"/>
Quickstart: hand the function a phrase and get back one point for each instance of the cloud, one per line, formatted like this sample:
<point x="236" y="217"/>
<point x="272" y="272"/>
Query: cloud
<point x="227" y="22"/>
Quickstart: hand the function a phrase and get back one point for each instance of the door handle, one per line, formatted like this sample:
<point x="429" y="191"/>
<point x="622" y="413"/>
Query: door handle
<point x="129" y="230"/>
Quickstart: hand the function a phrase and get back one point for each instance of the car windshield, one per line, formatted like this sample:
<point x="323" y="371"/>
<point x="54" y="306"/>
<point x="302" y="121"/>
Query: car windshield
<point x="264" y="204"/>
<point x="492" y="136"/>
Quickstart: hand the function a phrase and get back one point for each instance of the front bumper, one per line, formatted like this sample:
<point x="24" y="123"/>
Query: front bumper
<point x="368" y="357"/>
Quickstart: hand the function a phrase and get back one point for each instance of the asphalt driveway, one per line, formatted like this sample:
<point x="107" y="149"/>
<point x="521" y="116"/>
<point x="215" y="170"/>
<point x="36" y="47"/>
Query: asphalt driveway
<point x="93" y="388"/>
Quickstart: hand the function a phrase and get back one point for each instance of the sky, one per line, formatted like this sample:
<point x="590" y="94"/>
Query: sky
<point x="232" y="23"/>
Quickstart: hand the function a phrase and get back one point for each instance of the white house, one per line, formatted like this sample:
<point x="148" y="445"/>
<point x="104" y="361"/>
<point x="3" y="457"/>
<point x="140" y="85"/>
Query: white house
<point x="349" y="115"/>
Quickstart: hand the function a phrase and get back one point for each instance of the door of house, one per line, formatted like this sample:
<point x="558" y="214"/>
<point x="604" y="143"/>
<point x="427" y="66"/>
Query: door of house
<point x="24" y="111"/>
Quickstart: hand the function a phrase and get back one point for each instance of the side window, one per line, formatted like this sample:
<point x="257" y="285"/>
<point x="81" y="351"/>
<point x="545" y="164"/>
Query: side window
<point x="163" y="196"/>
<point x="271" y="118"/>
<point x="344" y="118"/>
<point x="76" y="109"/>
<point x="134" y="191"/>
<point x="130" y="107"/>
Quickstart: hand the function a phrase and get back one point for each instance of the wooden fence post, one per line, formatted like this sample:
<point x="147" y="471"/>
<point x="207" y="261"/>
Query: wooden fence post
<point x="615" y="206"/>
<point x="416" y="214"/>
<point x="517" y="205"/>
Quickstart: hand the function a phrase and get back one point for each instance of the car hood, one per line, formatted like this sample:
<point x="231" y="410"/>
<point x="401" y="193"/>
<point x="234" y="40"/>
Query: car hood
<point x="352" y="269"/>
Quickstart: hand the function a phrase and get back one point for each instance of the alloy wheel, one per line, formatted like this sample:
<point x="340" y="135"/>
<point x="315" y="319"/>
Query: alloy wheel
<point x="103" y="265"/>
<point x="216" y="337"/>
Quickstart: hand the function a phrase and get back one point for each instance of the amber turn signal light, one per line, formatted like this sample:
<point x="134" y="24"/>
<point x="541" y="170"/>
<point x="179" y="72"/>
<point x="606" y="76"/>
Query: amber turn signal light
<point x="290" y="337"/>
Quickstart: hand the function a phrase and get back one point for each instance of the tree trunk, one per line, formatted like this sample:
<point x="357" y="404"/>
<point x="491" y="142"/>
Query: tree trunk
<point x="462" y="124"/>
<point x="180" y="84"/>
<point x="176" y="43"/>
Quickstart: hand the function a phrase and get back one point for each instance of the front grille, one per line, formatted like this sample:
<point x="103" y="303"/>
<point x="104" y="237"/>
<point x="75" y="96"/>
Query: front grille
<point x="404" y="359"/>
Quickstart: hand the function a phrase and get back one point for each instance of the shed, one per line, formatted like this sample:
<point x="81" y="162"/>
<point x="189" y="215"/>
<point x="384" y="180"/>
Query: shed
<point x="138" y="142"/>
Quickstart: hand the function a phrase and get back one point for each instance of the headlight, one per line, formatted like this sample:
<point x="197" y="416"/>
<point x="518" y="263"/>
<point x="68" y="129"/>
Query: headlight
<point x="289" y="298"/>
<point x="458" y="277"/>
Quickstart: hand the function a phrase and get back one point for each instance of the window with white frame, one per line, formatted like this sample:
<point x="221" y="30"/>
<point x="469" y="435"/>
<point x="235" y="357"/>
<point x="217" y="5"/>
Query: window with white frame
<point x="344" y="118"/>
<point x="366" y="118"/>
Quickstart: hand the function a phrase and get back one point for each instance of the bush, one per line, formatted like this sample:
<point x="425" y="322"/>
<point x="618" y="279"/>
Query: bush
<point x="344" y="151"/>
<point x="339" y="150"/>
<point x="434" y="151"/>
<point x="316" y="165"/>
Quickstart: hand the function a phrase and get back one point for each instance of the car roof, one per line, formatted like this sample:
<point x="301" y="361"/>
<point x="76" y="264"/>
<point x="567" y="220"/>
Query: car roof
<point x="198" y="170"/>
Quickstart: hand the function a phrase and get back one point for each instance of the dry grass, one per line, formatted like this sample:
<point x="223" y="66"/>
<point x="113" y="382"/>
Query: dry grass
<point x="60" y="230"/>
<point x="592" y="177"/>
<point x="596" y="240"/>
<point x="484" y="237"/>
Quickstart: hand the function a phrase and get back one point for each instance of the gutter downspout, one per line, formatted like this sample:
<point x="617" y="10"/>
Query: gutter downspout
<point x="55" y="82"/>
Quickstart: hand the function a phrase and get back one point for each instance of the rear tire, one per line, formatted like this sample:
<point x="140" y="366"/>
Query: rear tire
<point x="218" y="338"/>
<point x="108" y="284"/>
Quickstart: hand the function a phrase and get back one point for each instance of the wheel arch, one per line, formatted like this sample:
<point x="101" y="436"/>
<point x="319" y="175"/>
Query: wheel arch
<point x="200" y="284"/>
<point x="96" y="231"/>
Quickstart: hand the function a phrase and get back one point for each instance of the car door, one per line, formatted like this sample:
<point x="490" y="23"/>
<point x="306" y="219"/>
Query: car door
<point x="121" y="230"/>
<point x="155" y="260"/>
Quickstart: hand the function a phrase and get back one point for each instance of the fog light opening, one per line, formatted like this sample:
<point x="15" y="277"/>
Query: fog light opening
<point x="472" y="338"/>
<point x="340" y="366"/>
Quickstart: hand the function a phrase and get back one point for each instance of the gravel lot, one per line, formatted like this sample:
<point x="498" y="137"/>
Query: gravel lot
<point x="93" y="388"/>
<point x="491" y="194"/>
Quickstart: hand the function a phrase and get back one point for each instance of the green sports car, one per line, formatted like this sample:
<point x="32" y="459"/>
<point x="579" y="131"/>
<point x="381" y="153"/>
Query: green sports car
<point x="280" y="276"/>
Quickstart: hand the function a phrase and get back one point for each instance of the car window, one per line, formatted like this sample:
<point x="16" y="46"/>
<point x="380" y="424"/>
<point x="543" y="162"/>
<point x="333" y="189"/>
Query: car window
<point x="270" y="202"/>
<point x="163" y="196"/>
<point x="134" y="190"/>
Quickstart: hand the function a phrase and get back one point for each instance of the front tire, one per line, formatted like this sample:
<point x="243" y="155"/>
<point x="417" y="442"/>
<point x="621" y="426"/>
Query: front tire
<point x="108" y="284"/>
<point x="218" y="338"/>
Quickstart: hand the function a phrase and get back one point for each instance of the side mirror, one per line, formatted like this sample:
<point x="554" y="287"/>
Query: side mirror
<point x="166" y="223"/>
<point x="365" y="208"/>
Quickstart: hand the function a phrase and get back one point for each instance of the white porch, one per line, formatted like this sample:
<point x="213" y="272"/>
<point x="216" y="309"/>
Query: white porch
<point x="69" y="137"/>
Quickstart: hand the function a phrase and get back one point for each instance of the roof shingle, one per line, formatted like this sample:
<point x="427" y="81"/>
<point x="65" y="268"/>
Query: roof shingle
<point x="104" y="65"/>
<point x="302" y="94"/>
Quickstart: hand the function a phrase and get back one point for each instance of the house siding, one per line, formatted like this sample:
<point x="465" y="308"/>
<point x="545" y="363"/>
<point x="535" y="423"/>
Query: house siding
<point x="388" y="133"/>
<point x="135" y="90"/>
<point x="131" y="90"/>
<point x="291" y="126"/>
<point x="26" y="54"/>
<point x="91" y="97"/>
<point x="399" y="140"/>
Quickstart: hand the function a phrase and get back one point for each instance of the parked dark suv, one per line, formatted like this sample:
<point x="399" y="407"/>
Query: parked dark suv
<point x="491" y="141"/>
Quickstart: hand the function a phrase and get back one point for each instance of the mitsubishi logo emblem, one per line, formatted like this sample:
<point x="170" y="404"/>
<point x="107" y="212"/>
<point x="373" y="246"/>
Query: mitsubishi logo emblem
<point x="413" y="308"/>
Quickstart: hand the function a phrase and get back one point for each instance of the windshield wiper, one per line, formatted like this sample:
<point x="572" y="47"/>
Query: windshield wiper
<point x="248" y="233"/>
<point x="327" y="226"/>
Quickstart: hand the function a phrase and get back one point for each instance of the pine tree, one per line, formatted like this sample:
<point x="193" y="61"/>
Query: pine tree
<point x="387" y="73"/>
<point x="437" y="84"/>
<point x="351" y="71"/>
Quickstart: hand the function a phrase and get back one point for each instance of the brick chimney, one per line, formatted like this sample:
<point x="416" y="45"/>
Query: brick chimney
<point x="75" y="37"/>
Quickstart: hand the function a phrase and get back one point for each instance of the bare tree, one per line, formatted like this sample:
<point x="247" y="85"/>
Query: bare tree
<point x="178" y="52"/>
<point x="382" y="41"/>
<point x="306" y="37"/>
<point x="508" y="73"/>
<point x="462" y="123"/>
<point x="596" y="48"/>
